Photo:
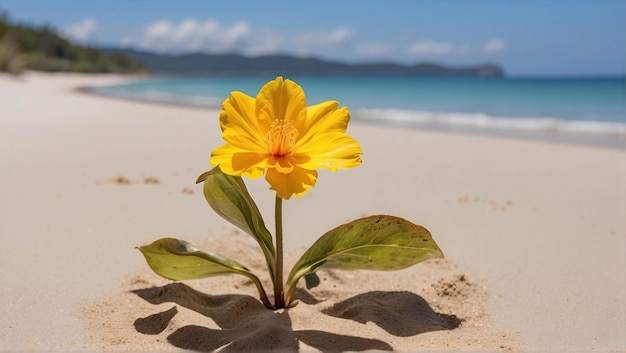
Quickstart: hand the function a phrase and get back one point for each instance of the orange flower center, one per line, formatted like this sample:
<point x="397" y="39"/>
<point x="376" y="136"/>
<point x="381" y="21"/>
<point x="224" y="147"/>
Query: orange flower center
<point x="281" y="137"/>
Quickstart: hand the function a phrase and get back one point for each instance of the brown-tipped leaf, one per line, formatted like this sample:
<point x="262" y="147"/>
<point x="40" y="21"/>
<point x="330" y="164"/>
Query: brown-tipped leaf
<point x="179" y="260"/>
<point x="373" y="243"/>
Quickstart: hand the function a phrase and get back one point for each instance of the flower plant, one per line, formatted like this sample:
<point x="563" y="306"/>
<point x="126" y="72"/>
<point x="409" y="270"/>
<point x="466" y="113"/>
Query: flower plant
<point x="277" y="135"/>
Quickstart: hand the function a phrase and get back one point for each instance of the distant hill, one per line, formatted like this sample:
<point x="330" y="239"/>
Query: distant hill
<point x="42" y="49"/>
<point x="270" y="65"/>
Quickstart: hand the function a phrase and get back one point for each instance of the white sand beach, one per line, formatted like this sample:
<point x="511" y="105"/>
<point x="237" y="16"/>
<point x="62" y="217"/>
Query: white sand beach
<point x="534" y="236"/>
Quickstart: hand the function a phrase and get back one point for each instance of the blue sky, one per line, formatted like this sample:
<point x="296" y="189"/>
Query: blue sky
<point x="549" y="37"/>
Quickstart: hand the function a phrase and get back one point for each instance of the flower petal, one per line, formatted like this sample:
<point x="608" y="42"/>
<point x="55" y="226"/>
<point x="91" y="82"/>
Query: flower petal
<point x="295" y="183"/>
<point x="282" y="100"/>
<point x="283" y="164"/>
<point x="331" y="151"/>
<point x="235" y="161"/>
<point x="323" y="118"/>
<point x="239" y="124"/>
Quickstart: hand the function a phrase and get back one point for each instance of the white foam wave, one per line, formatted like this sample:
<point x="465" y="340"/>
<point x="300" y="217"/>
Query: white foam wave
<point x="480" y="121"/>
<point x="159" y="97"/>
<point x="413" y="118"/>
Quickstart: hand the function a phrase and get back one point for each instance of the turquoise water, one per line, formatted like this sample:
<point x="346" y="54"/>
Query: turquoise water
<point x="568" y="109"/>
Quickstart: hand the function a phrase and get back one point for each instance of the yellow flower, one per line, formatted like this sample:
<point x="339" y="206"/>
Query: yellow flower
<point x="276" y="134"/>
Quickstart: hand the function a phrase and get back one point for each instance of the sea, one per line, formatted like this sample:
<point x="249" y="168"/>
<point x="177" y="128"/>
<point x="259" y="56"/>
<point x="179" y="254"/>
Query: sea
<point x="584" y="111"/>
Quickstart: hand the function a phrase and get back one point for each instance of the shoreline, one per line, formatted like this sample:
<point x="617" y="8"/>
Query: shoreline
<point x="611" y="140"/>
<point x="537" y="228"/>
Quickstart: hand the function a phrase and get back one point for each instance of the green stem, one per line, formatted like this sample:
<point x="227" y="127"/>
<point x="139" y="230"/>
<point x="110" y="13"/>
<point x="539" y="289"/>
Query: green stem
<point x="259" y="286"/>
<point x="279" y="297"/>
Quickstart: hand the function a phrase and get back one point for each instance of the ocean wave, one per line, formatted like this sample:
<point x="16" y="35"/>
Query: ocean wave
<point x="408" y="118"/>
<point x="158" y="97"/>
<point x="481" y="121"/>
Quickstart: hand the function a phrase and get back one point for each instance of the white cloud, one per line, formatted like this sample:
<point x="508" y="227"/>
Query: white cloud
<point x="340" y="36"/>
<point x="264" y="42"/>
<point x="494" y="46"/>
<point x="428" y="47"/>
<point x="190" y="35"/>
<point x="312" y="42"/>
<point x="373" y="49"/>
<point x="81" y="32"/>
<point x="441" y="48"/>
<point x="210" y="36"/>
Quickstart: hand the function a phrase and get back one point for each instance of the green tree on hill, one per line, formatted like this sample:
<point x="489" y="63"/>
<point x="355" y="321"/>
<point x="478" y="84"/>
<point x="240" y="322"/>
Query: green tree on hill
<point x="42" y="49"/>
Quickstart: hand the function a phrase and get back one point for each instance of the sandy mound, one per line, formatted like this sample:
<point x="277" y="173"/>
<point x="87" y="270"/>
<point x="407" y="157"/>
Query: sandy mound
<point x="432" y="305"/>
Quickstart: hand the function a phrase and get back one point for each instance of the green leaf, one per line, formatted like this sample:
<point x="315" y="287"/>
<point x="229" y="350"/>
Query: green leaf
<point x="179" y="260"/>
<point x="373" y="243"/>
<point x="229" y="197"/>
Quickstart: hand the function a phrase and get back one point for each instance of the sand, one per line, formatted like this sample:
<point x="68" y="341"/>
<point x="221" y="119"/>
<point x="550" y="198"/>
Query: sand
<point x="534" y="236"/>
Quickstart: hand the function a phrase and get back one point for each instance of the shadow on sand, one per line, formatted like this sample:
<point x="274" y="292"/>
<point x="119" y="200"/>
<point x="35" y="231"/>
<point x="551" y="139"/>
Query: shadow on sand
<point x="246" y="325"/>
